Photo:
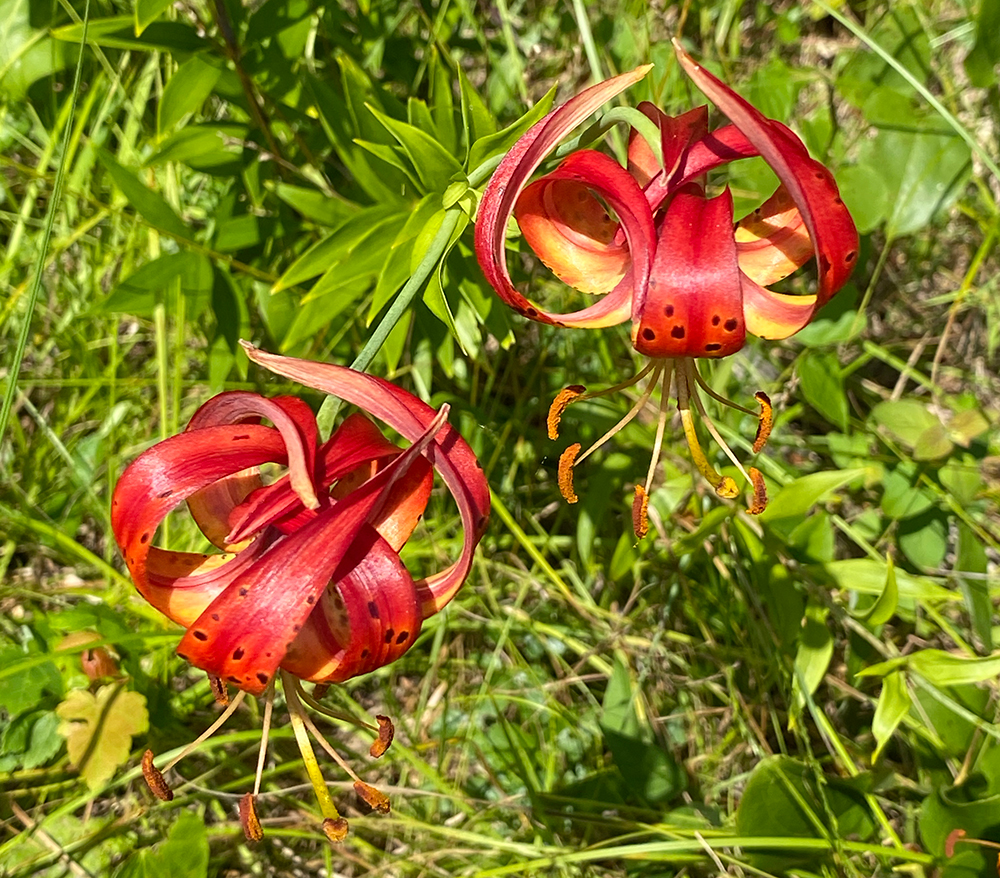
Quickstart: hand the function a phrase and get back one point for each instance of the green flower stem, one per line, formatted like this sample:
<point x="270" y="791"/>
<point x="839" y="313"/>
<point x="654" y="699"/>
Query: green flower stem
<point x="326" y="805"/>
<point x="435" y="252"/>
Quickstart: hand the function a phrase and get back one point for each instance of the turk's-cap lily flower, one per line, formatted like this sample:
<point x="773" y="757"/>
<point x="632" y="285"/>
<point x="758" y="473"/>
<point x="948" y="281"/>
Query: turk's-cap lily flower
<point x="308" y="583"/>
<point x="670" y="261"/>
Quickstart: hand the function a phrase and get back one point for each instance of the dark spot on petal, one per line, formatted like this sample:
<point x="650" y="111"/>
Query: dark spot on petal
<point x="402" y="636"/>
<point x="648" y="334"/>
<point x="199" y="635"/>
<point x="712" y="347"/>
<point x="164" y="495"/>
<point x="820" y="175"/>
<point x="373" y="609"/>
<point x="181" y="655"/>
<point x="824" y="265"/>
<point x="838" y="200"/>
<point x="144" y="538"/>
<point x="296" y="628"/>
<point x="215" y="617"/>
<point x="530" y="312"/>
<point x="669" y="310"/>
<point x="731" y="324"/>
<point x="262" y="677"/>
<point x="716" y="320"/>
<point x="850" y="257"/>
<point x="233" y="679"/>
<point x="389" y="635"/>
<point x="268" y="654"/>
<point x="243" y="592"/>
<point x="241" y="436"/>
<point x="238" y="653"/>
<point x="365" y="653"/>
<point x="677" y="332"/>
<point x="310" y="599"/>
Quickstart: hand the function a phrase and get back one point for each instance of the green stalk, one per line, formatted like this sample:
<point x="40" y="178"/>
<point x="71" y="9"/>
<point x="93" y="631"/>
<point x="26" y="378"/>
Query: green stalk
<point x="326" y="805"/>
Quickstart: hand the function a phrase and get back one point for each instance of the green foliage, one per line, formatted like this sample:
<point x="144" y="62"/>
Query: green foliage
<point x="811" y="691"/>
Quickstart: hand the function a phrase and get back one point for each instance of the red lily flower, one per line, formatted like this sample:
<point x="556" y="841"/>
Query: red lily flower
<point x="671" y="263"/>
<point x="309" y="583"/>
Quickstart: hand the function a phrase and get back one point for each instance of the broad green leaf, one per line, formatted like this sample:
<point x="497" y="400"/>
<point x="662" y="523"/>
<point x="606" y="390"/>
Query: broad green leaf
<point x="800" y="495"/>
<point x="392" y="155"/>
<point x="183" y="855"/>
<point x="98" y="729"/>
<point x="119" y="33"/>
<point x="29" y="740"/>
<point x="328" y="210"/>
<point x="903" y="499"/>
<point x="966" y="426"/>
<point x="944" y="669"/>
<point x="22" y="691"/>
<point x="932" y="444"/>
<point x="982" y="60"/>
<point x="147" y="11"/>
<point x="893" y="704"/>
<point x="186" y="91"/>
<point x="823" y="386"/>
<point x="865" y="193"/>
<point x="924" y="539"/>
<point x="814" y="652"/>
<point x="212" y="147"/>
<point x="867" y="576"/>
<point x="962" y="807"/>
<point x="492" y="144"/>
<point x="962" y="478"/>
<point x="149" y="204"/>
<point x="434" y="165"/>
<point x="26" y="54"/>
<point x="476" y="117"/>
<point x="885" y="606"/>
<point x="147" y="287"/>
<point x="905" y="419"/>
<point x="971" y="559"/>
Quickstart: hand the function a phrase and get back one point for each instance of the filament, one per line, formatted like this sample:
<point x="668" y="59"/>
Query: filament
<point x="262" y="755"/>
<point x="692" y="369"/>
<point x="657" y="367"/>
<point x="661" y="424"/>
<point x="211" y="730"/>
<point x="297" y="715"/>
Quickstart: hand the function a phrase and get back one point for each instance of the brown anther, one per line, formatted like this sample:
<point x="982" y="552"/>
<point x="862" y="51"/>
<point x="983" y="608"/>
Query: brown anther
<point x="764" y="422"/>
<point x="376" y="800"/>
<point x="727" y="488"/>
<point x="640" y="512"/>
<point x="154" y="778"/>
<point x="562" y="401"/>
<point x="219" y="689"/>
<point x="386" y="732"/>
<point x="335" y="830"/>
<point x="953" y="838"/>
<point x="566" y="461"/>
<point x="759" y="503"/>
<point x="248" y="818"/>
<point x="320" y="690"/>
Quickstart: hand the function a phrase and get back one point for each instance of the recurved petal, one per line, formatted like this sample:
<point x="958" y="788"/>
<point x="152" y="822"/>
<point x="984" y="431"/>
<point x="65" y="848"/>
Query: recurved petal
<point x="449" y="453"/>
<point x="571" y="232"/>
<point x="810" y="184"/>
<point x="513" y="173"/>
<point x="774" y="315"/>
<point x="772" y="242"/>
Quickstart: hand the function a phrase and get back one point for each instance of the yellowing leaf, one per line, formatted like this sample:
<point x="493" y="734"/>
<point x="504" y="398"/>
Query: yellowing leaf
<point x="98" y="729"/>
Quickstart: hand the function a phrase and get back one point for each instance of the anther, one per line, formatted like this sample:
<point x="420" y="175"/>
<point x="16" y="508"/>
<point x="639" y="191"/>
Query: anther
<point x="759" y="503"/>
<point x="377" y="801"/>
<point x="566" y="461"/>
<point x="335" y="829"/>
<point x="562" y="401"/>
<point x="248" y="818"/>
<point x="154" y="778"/>
<point x="640" y="512"/>
<point x="219" y="690"/>
<point x="765" y="421"/>
<point x="386" y="732"/>
<point x="727" y="488"/>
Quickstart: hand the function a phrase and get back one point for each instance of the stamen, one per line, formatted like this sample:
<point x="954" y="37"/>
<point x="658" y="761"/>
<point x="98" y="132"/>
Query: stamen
<point x="567" y="460"/>
<point x="759" y="503"/>
<point x="703" y="384"/>
<point x="386" y="732"/>
<point x="377" y="801"/>
<point x="248" y="819"/>
<point x="628" y="382"/>
<point x="326" y="745"/>
<point x="211" y="730"/>
<point x="724" y="485"/>
<point x="154" y="778"/>
<point x="332" y="820"/>
<point x="657" y="367"/>
<point x="262" y="753"/>
<point x="765" y="421"/>
<point x="320" y="690"/>
<point x="219" y="689"/>
<point x="333" y="714"/>
<point x="710" y="425"/>
<point x="660" y="426"/>
<point x="336" y="829"/>
<point x="640" y="512"/>
<point x="563" y="399"/>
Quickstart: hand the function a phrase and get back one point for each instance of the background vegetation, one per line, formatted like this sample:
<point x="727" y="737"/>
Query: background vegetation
<point x="735" y="696"/>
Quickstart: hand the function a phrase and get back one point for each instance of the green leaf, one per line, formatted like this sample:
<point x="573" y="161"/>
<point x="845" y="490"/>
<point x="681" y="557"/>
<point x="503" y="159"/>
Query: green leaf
<point x="147" y="287"/>
<point x="183" y="855"/>
<point x="823" y="386"/>
<point x="476" y="117"/>
<point x="932" y="444"/>
<point x="150" y="205"/>
<point x="26" y="55"/>
<point x="982" y="60"/>
<point x="800" y="495"/>
<point x="98" y="729"/>
<point x="924" y="539"/>
<point x="971" y="559"/>
<point x="327" y="210"/>
<point x="147" y="11"/>
<point x="213" y="147"/>
<point x="885" y="605"/>
<point x="944" y="669"/>
<point x="904" y="419"/>
<point x="966" y="426"/>
<point x="901" y="498"/>
<point x="434" y="165"/>
<point x="492" y="144"/>
<point x="867" y="576"/>
<point x="186" y="91"/>
<point x="814" y="652"/>
<point x="893" y="704"/>
<point x="29" y="740"/>
<point x="866" y="195"/>
<point x="119" y="33"/>
<point x="22" y="691"/>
